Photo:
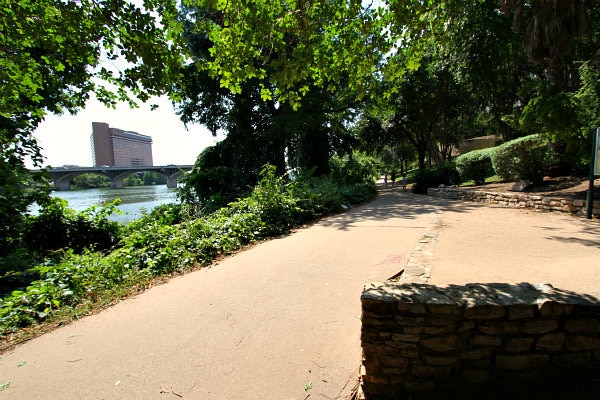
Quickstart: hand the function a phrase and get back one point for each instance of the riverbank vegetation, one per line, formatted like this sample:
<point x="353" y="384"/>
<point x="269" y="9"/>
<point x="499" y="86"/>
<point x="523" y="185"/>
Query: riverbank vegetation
<point x="303" y="87"/>
<point x="69" y="263"/>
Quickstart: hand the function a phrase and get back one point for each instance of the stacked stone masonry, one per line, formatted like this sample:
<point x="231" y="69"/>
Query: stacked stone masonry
<point x="419" y="338"/>
<point x="517" y="200"/>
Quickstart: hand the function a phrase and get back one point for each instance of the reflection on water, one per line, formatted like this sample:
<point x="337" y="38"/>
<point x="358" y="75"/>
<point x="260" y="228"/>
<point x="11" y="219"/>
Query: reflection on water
<point x="133" y="199"/>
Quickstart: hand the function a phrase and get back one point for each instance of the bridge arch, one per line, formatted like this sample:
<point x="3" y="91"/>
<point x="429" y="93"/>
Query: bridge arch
<point x="63" y="176"/>
<point x="172" y="175"/>
<point x="63" y="182"/>
<point x="174" y="178"/>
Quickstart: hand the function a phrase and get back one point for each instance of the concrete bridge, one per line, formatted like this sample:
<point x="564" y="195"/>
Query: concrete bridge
<point x="64" y="175"/>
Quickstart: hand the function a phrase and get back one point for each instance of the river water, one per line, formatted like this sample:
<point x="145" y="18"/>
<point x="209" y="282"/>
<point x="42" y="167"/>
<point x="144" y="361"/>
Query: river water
<point x="134" y="199"/>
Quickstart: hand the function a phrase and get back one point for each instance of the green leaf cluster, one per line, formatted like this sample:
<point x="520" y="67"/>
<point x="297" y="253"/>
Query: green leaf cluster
<point x="57" y="227"/>
<point x="51" y="51"/>
<point x="475" y="165"/>
<point x="90" y="181"/>
<point x="298" y="44"/>
<point x="75" y="278"/>
<point x="133" y="180"/>
<point x="523" y="158"/>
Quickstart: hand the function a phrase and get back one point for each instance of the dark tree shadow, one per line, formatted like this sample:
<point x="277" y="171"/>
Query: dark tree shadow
<point x="391" y="203"/>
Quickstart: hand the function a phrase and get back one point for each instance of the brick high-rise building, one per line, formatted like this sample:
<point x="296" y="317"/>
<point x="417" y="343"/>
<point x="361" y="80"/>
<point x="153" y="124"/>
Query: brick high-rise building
<point x="118" y="148"/>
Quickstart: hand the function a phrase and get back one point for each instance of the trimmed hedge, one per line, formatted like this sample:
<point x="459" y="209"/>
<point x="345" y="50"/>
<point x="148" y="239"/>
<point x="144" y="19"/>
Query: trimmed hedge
<point x="523" y="158"/>
<point x="475" y="165"/>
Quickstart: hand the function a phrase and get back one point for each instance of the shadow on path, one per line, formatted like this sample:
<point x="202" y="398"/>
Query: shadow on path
<point x="388" y="204"/>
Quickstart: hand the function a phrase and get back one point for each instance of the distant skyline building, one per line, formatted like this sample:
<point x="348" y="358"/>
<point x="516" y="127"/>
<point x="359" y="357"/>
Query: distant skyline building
<point x="119" y="148"/>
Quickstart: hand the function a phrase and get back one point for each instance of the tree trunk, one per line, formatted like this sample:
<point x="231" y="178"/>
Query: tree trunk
<point x="506" y="130"/>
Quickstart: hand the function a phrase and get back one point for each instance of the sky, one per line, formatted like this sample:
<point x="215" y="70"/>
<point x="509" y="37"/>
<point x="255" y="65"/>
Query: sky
<point x="65" y="139"/>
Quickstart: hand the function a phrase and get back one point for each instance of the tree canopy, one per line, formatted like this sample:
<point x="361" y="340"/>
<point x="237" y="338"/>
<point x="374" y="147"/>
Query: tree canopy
<point x="54" y="54"/>
<point x="260" y="129"/>
<point x="257" y="69"/>
<point x="297" y="44"/>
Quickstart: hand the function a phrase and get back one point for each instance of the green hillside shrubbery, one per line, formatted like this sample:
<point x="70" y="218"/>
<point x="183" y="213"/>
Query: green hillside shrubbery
<point x="523" y="158"/>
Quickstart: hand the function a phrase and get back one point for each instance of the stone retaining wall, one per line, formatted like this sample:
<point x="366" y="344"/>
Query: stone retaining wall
<point x="420" y="339"/>
<point x="516" y="200"/>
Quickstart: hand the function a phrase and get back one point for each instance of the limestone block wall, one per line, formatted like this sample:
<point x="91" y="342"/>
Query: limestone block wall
<point x="516" y="200"/>
<point x="418" y="338"/>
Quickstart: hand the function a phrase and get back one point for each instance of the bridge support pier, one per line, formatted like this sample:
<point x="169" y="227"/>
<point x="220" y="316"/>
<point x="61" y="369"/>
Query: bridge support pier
<point x="172" y="181"/>
<point x="62" y="185"/>
<point x="116" y="183"/>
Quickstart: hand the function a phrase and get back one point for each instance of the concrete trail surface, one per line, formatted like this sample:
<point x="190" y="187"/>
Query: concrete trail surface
<point x="484" y="244"/>
<point x="280" y="320"/>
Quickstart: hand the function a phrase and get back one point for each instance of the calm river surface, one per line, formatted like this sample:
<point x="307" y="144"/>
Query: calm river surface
<point x="133" y="199"/>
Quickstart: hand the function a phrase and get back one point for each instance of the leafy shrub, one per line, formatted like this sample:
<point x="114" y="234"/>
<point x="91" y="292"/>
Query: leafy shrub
<point x="327" y="196"/>
<point x="475" y="165"/>
<point x="356" y="168"/>
<point x="211" y="185"/>
<point x="433" y="177"/>
<point x="59" y="285"/>
<point x="523" y="158"/>
<point x="88" y="181"/>
<point x="279" y="205"/>
<point x="59" y="227"/>
<point x="154" y="178"/>
<point x="164" y="214"/>
<point x="358" y="193"/>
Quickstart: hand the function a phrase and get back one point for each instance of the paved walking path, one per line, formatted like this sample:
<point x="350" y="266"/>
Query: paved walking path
<point x="478" y="243"/>
<point x="282" y="320"/>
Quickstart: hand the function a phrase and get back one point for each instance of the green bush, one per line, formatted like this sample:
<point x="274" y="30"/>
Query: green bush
<point x="356" y="168"/>
<point x="133" y="180"/>
<point x="328" y="197"/>
<point x="154" y="178"/>
<point x="475" y="165"/>
<point x="358" y="193"/>
<point x="59" y="285"/>
<point x="164" y="214"/>
<point x="59" y="227"/>
<point x="434" y="177"/>
<point x="523" y="158"/>
<point x="275" y="202"/>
